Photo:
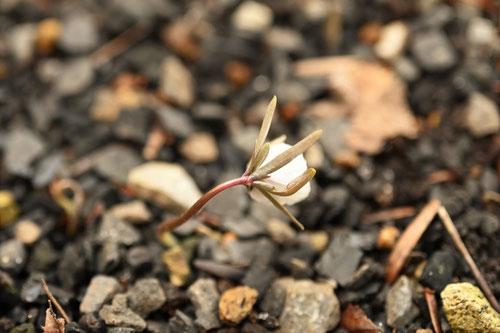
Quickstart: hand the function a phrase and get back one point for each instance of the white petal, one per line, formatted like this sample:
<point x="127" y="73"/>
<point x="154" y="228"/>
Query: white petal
<point x="281" y="177"/>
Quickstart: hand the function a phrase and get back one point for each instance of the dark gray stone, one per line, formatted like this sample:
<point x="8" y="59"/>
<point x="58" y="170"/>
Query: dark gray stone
<point x="71" y="266"/>
<point x="115" y="161"/>
<point x="79" y="33"/>
<point x="175" y="121"/>
<point x="139" y="257"/>
<point x="32" y="288"/>
<point x="433" y="51"/>
<point x="181" y="323"/>
<point x="259" y="277"/>
<point x="439" y="270"/>
<point x="146" y="296"/>
<point x="340" y="260"/>
<point x="43" y="256"/>
<point x="47" y="169"/>
<point x="75" y="76"/>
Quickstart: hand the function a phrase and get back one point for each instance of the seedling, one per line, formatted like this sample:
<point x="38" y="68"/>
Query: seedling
<point x="276" y="172"/>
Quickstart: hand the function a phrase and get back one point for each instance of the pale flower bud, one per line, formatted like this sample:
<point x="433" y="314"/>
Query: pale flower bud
<point x="281" y="177"/>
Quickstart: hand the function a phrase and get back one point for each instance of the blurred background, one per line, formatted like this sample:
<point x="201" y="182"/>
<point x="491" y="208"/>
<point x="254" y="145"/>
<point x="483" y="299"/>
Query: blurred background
<point x="92" y="92"/>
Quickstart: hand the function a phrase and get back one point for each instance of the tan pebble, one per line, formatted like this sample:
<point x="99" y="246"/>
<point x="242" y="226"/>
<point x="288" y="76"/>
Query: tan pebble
<point x="319" y="240"/>
<point x="236" y="303"/>
<point x="280" y="231"/>
<point x="347" y="159"/>
<point x="134" y="212"/>
<point x="178" y="266"/>
<point x="387" y="237"/>
<point x="200" y="148"/>
<point x="47" y="34"/>
<point x="27" y="232"/>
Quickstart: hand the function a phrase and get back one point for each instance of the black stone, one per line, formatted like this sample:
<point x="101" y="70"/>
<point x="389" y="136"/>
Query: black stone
<point x="439" y="270"/>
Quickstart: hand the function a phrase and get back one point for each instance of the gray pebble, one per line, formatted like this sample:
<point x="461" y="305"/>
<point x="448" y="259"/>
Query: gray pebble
<point x="113" y="229"/>
<point x="13" y="256"/>
<point x="433" y="51"/>
<point x="99" y="291"/>
<point x="205" y="298"/>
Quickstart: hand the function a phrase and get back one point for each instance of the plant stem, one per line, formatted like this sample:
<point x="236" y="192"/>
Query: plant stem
<point x="171" y="224"/>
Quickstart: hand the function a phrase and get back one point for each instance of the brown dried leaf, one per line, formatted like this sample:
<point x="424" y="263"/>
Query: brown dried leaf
<point x="374" y="96"/>
<point x="409" y="239"/>
<point x="52" y="323"/>
<point x="354" y="319"/>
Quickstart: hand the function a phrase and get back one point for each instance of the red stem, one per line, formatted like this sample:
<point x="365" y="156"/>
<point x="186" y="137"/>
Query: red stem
<point x="171" y="224"/>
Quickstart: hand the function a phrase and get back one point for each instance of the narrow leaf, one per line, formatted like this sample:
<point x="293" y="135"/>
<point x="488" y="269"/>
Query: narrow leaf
<point x="287" y="156"/>
<point x="280" y="207"/>
<point x="297" y="183"/>
<point x="261" y="155"/>
<point x="264" y="129"/>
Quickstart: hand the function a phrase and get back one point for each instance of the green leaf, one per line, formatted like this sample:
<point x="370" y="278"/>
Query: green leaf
<point x="297" y="183"/>
<point x="287" y="156"/>
<point x="264" y="129"/>
<point x="280" y="207"/>
<point x="262" y="154"/>
<point x="265" y="186"/>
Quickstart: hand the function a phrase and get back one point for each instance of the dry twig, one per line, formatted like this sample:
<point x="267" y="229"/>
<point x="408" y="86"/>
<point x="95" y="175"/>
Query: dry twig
<point x="395" y="213"/>
<point x="409" y="239"/>
<point x="430" y="298"/>
<point x="455" y="236"/>
<point x="56" y="303"/>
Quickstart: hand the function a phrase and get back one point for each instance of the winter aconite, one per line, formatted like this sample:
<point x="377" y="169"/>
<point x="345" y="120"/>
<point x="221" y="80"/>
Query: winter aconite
<point x="276" y="172"/>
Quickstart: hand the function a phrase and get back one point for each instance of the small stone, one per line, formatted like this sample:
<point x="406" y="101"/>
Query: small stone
<point x="318" y="240"/>
<point x="73" y="327"/>
<point x="118" y="314"/>
<point x="176" y="82"/>
<point x="166" y="184"/>
<point x="177" y="264"/>
<point x="109" y="257"/>
<point x="71" y="266"/>
<point x="281" y="232"/>
<point x="79" y="33"/>
<point x="115" y="230"/>
<point x="308" y="306"/>
<point x="438" y="272"/>
<point x="399" y="305"/>
<point x="181" y="322"/>
<point x="139" y="258"/>
<point x="22" y="147"/>
<point x="200" y="148"/>
<point x="132" y="124"/>
<point x="433" y="51"/>
<point x="43" y="256"/>
<point x="259" y="277"/>
<point x="106" y="106"/>
<point x="8" y="208"/>
<point x="115" y="162"/>
<point x="238" y="73"/>
<point x="47" y="169"/>
<point x="392" y="41"/>
<point x="100" y="290"/>
<point x="75" y="76"/>
<point x="481" y="32"/>
<point x="340" y="260"/>
<point x="27" y="232"/>
<point x="32" y="288"/>
<point x="252" y="16"/>
<point x="175" y="121"/>
<point x="467" y="310"/>
<point x="387" y="237"/>
<point x="285" y="39"/>
<point x="12" y="256"/>
<point x="490" y="224"/>
<point x="120" y="330"/>
<point x="135" y="212"/>
<point x="205" y="298"/>
<point x="47" y="34"/>
<point x="90" y="323"/>
<point x="236" y="303"/>
<point x="482" y="115"/>
<point x="146" y="296"/>
<point x="406" y="69"/>
<point x="21" y="42"/>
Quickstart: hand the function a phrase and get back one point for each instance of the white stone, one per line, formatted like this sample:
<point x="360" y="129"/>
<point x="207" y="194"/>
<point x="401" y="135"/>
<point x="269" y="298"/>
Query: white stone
<point x="481" y="32"/>
<point x="252" y="16"/>
<point x="392" y="42"/>
<point x="481" y="116"/>
<point x="176" y="82"/>
<point x="166" y="184"/>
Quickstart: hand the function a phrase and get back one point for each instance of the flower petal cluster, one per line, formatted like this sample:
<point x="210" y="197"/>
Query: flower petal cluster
<point x="280" y="178"/>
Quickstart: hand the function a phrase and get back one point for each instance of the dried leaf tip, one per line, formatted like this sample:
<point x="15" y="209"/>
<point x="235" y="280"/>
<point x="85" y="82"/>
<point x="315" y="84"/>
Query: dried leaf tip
<point x="264" y="130"/>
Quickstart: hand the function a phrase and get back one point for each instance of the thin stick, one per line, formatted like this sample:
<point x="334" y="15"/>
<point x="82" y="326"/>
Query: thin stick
<point x="430" y="298"/>
<point x="455" y="236"/>
<point x="395" y="213"/>
<point x="119" y="44"/>
<point x="56" y="303"/>
<point x="171" y="224"/>
<point x="409" y="239"/>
